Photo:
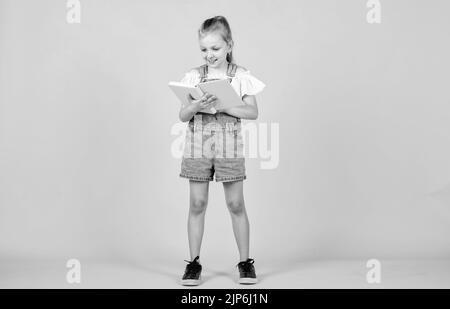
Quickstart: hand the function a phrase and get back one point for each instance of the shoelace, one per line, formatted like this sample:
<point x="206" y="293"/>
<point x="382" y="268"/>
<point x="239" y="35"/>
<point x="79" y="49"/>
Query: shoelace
<point x="192" y="267"/>
<point x="246" y="265"/>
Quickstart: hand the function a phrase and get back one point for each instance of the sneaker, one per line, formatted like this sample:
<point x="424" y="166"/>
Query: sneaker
<point x="192" y="273"/>
<point x="247" y="273"/>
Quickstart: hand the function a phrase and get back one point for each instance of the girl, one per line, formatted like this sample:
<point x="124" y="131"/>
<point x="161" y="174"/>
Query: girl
<point x="214" y="145"/>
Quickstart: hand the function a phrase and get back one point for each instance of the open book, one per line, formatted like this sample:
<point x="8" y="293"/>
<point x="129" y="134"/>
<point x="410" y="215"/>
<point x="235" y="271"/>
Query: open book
<point x="222" y="89"/>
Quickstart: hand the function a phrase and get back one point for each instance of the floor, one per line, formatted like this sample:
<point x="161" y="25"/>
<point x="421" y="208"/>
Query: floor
<point x="292" y="275"/>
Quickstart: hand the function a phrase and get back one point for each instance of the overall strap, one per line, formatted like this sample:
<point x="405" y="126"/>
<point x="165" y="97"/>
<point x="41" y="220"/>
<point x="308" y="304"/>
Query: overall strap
<point x="203" y="70"/>
<point x="231" y="70"/>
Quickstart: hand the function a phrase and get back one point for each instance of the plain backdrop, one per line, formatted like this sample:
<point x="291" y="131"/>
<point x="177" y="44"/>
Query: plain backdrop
<point x="86" y="118"/>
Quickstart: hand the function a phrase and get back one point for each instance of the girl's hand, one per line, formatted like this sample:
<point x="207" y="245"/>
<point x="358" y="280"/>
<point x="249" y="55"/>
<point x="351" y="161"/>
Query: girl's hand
<point x="206" y="101"/>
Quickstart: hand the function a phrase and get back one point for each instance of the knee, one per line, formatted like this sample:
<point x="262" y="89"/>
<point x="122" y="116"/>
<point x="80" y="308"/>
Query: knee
<point x="236" y="207"/>
<point x="198" y="206"/>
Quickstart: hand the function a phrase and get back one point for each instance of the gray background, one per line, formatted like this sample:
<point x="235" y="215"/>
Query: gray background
<point x="86" y="169"/>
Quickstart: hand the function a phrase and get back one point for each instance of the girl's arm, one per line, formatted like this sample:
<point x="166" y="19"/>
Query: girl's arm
<point x="187" y="111"/>
<point x="247" y="111"/>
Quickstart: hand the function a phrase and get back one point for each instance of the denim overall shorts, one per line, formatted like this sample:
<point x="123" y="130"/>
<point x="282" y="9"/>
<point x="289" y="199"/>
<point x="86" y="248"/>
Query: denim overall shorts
<point x="214" y="144"/>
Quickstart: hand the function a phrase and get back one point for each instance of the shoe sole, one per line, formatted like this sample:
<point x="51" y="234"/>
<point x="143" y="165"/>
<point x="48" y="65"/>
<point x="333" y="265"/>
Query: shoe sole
<point x="191" y="282"/>
<point x="248" y="280"/>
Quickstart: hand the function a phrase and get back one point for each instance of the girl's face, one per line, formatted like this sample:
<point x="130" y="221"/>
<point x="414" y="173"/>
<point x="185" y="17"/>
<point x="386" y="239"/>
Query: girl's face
<point x="214" y="49"/>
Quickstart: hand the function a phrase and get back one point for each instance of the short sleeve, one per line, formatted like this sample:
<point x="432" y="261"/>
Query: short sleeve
<point x="191" y="78"/>
<point x="249" y="85"/>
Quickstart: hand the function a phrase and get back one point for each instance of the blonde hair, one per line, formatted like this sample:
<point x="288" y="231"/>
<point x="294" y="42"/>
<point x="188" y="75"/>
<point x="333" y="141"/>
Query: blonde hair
<point x="218" y="23"/>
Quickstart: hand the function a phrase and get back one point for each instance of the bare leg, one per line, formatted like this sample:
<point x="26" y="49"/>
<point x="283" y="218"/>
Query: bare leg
<point x="196" y="220"/>
<point x="234" y="198"/>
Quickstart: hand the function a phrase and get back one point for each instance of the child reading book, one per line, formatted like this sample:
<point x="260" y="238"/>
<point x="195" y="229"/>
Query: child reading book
<point x="214" y="145"/>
